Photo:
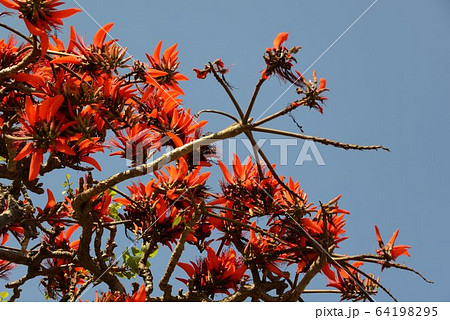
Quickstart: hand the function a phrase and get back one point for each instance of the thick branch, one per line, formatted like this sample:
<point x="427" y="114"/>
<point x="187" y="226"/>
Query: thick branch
<point x="85" y="196"/>
<point x="85" y="257"/>
<point x="309" y="275"/>
<point x="14" y="214"/>
<point x="14" y="256"/>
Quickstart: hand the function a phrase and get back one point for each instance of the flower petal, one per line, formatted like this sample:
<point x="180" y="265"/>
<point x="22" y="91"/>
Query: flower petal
<point x="100" y="36"/>
<point x="280" y="38"/>
<point x="35" y="165"/>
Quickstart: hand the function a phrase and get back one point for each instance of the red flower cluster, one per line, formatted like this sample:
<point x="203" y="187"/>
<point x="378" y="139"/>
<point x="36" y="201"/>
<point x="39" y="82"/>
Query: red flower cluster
<point x="41" y="124"/>
<point x="40" y="16"/>
<point x="9" y="53"/>
<point x="280" y="61"/>
<point x="217" y="66"/>
<point x="79" y="99"/>
<point x="161" y="208"/>
<point x="217" y="273"/>
<point x="247" y="195"/>
<point x="347" y="286"/>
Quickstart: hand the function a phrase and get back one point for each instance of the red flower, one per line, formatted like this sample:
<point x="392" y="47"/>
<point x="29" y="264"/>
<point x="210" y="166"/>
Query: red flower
<point x="99" y="59"/>
<point x="87" y="147"/>
<point x="288" y="204"/>
<point x="62" y="241"/>
<point x="40" y="16"/>
<point x="42" y="126"/>
<point x="328" y="223"/>
<point x="246" y="190"/>
<point x="245" y="194"/>
<point x="101" y="209"/>
<point x="389" y="250"/>
<point x="219" y="68"/>
<point x="159" y="209"/>
<point x="280" y="60"/>
<point x="163" y="71"/>
<point x="346" y="285"/>
<point x="312" y="92"/>
<point x="135" y="142"/>
<point x="215" y="273"/>
<point x="138" y="296"/>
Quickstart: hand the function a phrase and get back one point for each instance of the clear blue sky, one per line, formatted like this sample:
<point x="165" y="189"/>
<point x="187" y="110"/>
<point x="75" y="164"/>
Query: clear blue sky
<point x="389" y="78"/>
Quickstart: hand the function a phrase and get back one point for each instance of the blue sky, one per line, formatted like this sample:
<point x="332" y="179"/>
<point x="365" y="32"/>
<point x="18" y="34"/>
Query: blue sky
<point x="388" y="75"/>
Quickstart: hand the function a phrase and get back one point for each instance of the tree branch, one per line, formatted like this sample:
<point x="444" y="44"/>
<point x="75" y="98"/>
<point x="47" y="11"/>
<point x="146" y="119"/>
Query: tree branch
<point x="176" y="254"/>
<point x="102" y="186"/>
<point x="309" y="275"/>
<point x="324" y="141"/>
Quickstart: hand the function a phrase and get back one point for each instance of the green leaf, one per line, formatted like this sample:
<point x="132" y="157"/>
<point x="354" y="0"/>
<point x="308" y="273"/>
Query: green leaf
<point x="126" y="255"/>
<point x="136" y="251"/>
<point x="112" y="193"/>
<point x="133" y="263"/>
<point x="114" y="211"/>
<point x="3" y="295"/>
<point x="2" y="160"/>
<point x="176" y="221"/>
<point x="67" y="185"/>
<point x="154" y="253"/>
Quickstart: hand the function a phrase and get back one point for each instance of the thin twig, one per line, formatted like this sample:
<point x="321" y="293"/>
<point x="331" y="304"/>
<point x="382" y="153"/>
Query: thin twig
<point x="252" y="100"/>
<point x="324" y="141"/>
<point x="218" y="112"/>
<point x="228" y="91"/>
